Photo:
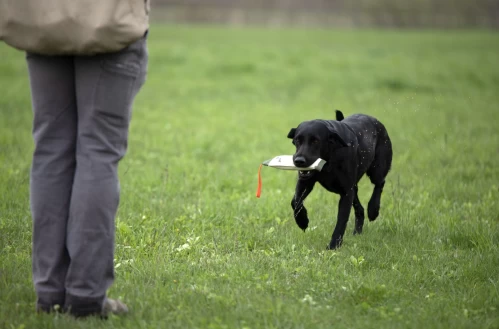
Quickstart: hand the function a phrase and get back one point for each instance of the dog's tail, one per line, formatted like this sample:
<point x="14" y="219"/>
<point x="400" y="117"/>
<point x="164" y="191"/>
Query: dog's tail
<point x="339" y="115"/>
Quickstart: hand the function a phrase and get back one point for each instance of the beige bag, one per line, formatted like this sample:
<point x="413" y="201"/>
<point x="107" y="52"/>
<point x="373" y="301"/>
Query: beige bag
<point x="76" y="27"/>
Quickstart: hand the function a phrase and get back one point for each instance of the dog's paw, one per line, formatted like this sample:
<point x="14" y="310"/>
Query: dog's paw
<point x="332" y="247"/>
<point x="335" y="244"/>
<point x="302" y="222"/>
<point x="372" y="212"/>
<point x="357" y="230"/>
<point x="301" y="217"/>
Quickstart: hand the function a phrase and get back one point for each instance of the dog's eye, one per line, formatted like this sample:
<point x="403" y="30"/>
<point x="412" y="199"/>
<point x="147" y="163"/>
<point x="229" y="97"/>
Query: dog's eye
<point x="315" y="141"/>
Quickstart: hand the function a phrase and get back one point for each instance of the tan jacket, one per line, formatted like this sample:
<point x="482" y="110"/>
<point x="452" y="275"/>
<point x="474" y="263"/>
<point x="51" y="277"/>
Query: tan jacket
<point x="77" y="27"/>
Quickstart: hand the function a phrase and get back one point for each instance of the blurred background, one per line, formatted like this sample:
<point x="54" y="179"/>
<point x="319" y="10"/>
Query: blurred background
<point x="332" y="13"/>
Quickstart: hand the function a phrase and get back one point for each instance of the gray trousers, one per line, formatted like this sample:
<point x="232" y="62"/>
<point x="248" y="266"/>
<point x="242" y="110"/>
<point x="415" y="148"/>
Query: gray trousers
<point x="82" y="110"/>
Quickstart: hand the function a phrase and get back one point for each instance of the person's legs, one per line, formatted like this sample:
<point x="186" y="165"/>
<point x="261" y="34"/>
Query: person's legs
<point x="106" y="86"/>
<point x="52" y="172"/>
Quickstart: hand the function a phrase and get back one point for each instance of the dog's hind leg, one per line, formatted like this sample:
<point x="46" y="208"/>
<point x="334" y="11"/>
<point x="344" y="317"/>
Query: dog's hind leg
<point x="374" y="202"/>
<point x="303" y="189"/>
<point x="359" y="212"/>
<point x="377" y="173"/>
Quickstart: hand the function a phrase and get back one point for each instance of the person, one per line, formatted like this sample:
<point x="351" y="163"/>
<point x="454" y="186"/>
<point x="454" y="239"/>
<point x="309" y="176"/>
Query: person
<point x="82" y="106"/>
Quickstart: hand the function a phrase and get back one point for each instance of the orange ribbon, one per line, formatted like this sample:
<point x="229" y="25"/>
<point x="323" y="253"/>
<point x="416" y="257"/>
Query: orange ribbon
<point x="259" y="187"/>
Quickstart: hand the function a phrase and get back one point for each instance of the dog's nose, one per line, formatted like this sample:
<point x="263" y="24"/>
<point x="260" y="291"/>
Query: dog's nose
<point x="299" y="161"/>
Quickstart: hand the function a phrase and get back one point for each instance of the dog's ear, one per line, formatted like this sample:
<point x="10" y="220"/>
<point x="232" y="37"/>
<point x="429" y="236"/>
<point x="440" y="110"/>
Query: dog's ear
<point x="334" y="137"/>
<point x="339" y="115"/>
<point x="291" y="133"/>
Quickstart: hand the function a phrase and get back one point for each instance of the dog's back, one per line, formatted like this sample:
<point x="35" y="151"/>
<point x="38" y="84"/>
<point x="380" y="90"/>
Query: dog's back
<point x="375" y="147"/>
<point x="369" y="130"/>
<point x="366" y="128"/>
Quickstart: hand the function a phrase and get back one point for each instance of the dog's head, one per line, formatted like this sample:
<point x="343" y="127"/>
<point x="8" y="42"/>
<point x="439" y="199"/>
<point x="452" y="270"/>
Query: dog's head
<point x="314" y="139"/>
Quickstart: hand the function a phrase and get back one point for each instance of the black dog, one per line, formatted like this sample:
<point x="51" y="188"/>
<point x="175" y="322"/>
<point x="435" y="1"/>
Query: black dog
<point x="353" y="146"/>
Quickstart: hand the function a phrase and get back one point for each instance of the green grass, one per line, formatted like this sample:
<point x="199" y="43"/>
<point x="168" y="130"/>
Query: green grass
<point x="196" y="249"/>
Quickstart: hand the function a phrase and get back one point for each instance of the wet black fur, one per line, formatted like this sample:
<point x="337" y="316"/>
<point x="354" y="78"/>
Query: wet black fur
<point x="352" y="147"/>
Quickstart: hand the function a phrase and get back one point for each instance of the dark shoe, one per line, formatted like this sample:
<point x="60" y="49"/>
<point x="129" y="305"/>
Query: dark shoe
<point x="56" y="308"/>
<point x="81" y="308"/>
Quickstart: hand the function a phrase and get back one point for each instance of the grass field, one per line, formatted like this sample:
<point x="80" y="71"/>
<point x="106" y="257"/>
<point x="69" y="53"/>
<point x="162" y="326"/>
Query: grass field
<point x="196" y="248"/>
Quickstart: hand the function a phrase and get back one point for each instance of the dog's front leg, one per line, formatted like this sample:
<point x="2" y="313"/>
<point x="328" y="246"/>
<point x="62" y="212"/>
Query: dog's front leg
<point x="303" y="189"/>
<point x="344" y="208"/>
